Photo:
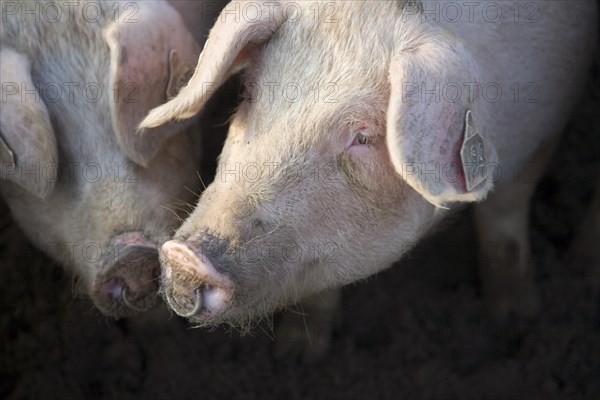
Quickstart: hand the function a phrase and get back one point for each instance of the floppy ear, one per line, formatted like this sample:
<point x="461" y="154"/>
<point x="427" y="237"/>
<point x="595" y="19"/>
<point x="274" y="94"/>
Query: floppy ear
<point x="436" y="135"/>
<point x="28" y="151"/>
<point x="225" y="53"/>
<point x="150" y="59"/>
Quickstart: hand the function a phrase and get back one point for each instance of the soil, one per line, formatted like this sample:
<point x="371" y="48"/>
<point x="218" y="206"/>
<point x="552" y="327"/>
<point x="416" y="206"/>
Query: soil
<point x="418" y="330"/>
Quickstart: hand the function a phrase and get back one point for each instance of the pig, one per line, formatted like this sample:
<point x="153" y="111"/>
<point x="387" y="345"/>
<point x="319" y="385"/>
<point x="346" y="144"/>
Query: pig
<point x="79" y="179"/>
<point x="348" y="148"/>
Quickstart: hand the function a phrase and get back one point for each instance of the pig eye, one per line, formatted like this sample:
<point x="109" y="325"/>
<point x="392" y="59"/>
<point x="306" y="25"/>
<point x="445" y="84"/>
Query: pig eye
<point x="362" y="138"/>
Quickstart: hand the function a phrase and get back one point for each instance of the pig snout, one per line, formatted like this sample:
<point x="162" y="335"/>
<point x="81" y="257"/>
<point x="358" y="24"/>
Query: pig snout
<point x="129" y="282"/>
<point x="192" y="286"/>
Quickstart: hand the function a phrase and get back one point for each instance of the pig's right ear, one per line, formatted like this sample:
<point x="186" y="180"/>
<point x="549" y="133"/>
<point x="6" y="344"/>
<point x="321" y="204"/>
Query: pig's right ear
<point x="225" y="53"/>
<point x="28" y="150"/>
<point x="436" y="136"/>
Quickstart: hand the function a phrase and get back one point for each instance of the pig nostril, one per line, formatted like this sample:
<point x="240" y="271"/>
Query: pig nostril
<point x="127" y="302"/>
<point x="175" y="305"/>
<point x="113" y="288"/>
<point x="197" y="304"/>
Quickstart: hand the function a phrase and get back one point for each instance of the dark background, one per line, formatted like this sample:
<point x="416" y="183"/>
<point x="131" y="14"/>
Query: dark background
<point x="417" y="330"/>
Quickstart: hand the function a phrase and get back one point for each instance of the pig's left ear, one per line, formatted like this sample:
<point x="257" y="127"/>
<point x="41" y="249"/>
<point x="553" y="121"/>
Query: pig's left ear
<point x="152" y="55"/>
<point x="436" y="135"/>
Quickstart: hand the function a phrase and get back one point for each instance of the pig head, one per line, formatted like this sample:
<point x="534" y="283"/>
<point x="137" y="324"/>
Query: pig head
<point x="331" y="168"/>
<point x="86" y="186"/>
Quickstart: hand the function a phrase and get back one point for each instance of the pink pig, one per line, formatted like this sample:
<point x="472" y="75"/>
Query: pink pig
<point x="316" y="190"/>
<point x="85" y="186"/>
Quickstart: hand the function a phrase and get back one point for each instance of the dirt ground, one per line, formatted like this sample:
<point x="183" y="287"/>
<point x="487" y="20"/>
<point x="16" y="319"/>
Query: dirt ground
<point x="415" y="331"/>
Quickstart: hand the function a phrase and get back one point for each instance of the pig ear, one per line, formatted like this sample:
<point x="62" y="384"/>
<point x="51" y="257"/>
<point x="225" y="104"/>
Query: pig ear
<point x="435" y="133"/>
<point x="151" y="57"/>
<point x="225" y="53"/>
<point x="28" y="151"/>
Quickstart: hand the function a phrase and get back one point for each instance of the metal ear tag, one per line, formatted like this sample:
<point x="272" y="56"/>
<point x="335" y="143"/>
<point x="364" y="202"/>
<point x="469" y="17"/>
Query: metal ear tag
<point x="472" y="154"/>
<point x="7" y="157"/>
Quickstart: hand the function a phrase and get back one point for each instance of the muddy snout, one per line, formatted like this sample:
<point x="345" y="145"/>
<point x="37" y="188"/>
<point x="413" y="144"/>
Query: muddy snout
<point x="129" y="280"/>
<point x="191" y="285"/>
